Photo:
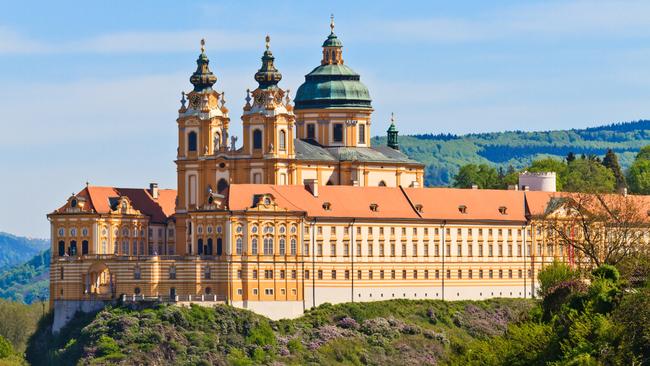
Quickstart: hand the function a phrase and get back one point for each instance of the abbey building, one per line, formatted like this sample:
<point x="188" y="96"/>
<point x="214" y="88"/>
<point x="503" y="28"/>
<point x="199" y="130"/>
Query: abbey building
<point x="304" y="211"/>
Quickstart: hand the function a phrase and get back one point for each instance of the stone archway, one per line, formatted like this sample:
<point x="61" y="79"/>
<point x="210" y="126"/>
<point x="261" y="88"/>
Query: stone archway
<point x="100" y="282"/>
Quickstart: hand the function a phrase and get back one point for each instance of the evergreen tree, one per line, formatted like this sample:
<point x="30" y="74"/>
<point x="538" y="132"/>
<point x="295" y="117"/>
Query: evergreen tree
<point x="570" y="157"/>
<point x="639" y="174"/>
<point x="611" y="162"/>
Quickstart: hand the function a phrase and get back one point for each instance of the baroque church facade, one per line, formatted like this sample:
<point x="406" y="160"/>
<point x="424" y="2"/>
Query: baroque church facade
<point x="306" y="211"/>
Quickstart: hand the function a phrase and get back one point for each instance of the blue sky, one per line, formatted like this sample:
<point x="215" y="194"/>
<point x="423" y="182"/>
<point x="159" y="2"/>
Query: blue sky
<point x="89" y="90"/>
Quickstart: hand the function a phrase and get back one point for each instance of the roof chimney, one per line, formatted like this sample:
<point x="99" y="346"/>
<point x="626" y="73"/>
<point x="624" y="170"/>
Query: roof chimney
<point x="153" y="190"/>
<point x="312" y="186"/>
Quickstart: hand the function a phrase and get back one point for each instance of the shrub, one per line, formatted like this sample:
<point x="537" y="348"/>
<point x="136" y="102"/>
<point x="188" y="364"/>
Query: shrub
<point x="560" y="294"/>
<point x="348" y="323"/>
<point x="608" y="272"/>
<point x="553" y="274"/>
<point x="6" y="349"/>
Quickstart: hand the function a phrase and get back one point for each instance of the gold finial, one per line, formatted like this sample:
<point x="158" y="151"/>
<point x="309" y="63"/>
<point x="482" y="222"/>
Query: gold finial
<point x="332" y="23"/>
<point x="202" y="45"/>
<point x="268" y="42"/>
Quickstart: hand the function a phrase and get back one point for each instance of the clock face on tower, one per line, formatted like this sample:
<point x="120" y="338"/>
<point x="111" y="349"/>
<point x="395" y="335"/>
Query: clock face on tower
<point x="259" y="99"/>
<point x="196" y="100"/>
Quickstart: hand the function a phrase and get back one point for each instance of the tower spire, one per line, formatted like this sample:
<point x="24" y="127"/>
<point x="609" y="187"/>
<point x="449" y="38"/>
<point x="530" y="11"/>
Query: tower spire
<point x="268" y="76"/>
<point x="392" y="133"/>
<point x="202" y="78"/>
<point x="332" y="23"/>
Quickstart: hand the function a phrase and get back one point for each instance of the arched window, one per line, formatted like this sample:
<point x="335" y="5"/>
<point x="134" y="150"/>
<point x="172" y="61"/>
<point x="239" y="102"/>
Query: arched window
<point x="254" y="246"/>
<point x="200" y="245"/>
<point x="137" y="273"/>
<point x="283" y="245"/>
<point x="293" y="246"/>
<point x="172" y="273"/>
<point x="172" y="293"/>
<point x="382" y="184"/>
<point x="257" y="139"/>
<point x="222" y="185"/>
<point x="84" y="247"/>
<point x="217" y="141"/>
<point x="191" y="141"/>
<point x="219" y="246"/>
<point x="239" y="245"/>
<point x="208" y="250"/>
<point x="72" y="250"/>
<point x="283" y="140"/>
<point x="61" y="248"/>
<point x="268" y="246"/>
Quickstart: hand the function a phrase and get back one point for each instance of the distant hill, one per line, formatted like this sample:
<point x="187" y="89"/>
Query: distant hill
<point x="444" y="154"/>
<point x="16" y="249"/>
<point x="27" y="282"/>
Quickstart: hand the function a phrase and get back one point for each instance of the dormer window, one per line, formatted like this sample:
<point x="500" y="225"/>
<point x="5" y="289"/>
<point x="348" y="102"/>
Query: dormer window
<point x="327" y="206"/>
<point x="462" y="209"/>
<point x="418" y="208"/>
<point x="503" y="210"/>
<point x="374" y="207"/>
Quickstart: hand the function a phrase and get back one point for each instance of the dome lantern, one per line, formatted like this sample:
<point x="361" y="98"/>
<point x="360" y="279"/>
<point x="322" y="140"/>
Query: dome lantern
<point x="268" y="76"/>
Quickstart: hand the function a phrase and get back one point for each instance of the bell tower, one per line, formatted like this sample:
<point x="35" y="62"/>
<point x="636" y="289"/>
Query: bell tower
<point x="268" y="122"/>
<point x="202" y="133"/>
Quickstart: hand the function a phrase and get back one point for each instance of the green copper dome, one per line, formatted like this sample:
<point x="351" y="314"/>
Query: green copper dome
<point x="332" y="84"/>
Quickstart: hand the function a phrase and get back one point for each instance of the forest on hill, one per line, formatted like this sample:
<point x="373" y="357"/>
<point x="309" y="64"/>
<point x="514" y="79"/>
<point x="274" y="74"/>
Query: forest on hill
<point x="16" y="249"/>
<point x="444" y="154"/>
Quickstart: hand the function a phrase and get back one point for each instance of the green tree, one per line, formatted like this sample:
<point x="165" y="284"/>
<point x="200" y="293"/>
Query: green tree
<point x="554" y="274"/>
<point x="570" y="157"/>
<point x="611" y="162"/>
<point x="638" y="175"/>
<point x="644" y="153"/>
<point x="482" y="175"/>
<point x="588" y="175"/>
<point x="6" y="349"/>
<point x="551" y="165"/>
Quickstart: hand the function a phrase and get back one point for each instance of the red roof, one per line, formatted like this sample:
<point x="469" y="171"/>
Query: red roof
<point x="160" y="209"/>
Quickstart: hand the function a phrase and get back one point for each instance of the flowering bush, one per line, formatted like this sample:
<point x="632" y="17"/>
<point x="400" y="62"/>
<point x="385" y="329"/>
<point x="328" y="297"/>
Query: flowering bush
<point x="348" y="323"/>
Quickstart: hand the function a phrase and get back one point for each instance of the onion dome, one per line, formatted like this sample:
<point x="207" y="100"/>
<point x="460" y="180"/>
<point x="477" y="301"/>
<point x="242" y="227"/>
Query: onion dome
<point x="202" y="78"/>
<point x="332" y="84"/>
<point x="268" y="76"/>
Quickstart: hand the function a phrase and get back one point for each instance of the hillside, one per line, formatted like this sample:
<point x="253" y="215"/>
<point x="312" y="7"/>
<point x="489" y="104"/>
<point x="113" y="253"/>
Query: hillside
<point x="27" y="282"/>
<point x="401" y="332"/>
<point x="444" y="154"/>
<point x="15" y="249"/>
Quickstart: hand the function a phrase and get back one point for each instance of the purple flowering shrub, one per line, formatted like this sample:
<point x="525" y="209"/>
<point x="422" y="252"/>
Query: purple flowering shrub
<point x="480" y="322"/>
<point x="348" y="323"/>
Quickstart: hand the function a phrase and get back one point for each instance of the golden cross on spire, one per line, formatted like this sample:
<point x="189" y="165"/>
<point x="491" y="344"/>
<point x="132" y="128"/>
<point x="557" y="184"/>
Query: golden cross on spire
<point x="202" y="45"/>
<point x="332" y="23"/>
<point x="268" y="41"/>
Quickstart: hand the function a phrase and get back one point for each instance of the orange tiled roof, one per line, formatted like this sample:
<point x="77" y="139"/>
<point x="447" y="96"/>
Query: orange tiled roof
<point x="350" y="201"/>
<point x="98" y="200"/>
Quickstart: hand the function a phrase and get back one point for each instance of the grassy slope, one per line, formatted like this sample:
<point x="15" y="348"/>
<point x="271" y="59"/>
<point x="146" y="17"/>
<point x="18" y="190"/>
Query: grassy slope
<point x="388" y="332"/>
<point x="443" y="154"/>
<point x="27" y="282"/>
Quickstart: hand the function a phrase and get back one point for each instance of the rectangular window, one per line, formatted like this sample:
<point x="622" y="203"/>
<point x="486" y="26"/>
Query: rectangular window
<point x="460" y="273"/>
<point x="282" y="274"/>
<point x="337" y="132"/>
<point x="490" y="274"/>
<point x="362" y="133"/>
<point x="359" y="250"/>
<point x="459" y="250"/>
<point x="437" y="273"/>
<point x="333" y="249"/>
<point x="470" y="250"/>
<point x="239" y="274"/>
<point x="320" y="274"/>
<point x="347" y="274"/>
<point x="449" y="273"/>
<point x="370" y="275"/>
<point x="333" y="274"/>
<point x="381" y="274"/>
<point x="415" y="274"/>
<point x="426" y="274"/>
<point x="415" y="250"/>
<point x="268" y="291"/>
<point x="319" y="249"/>
<point x="359" y="274"/>
<point x="480" y="273"/>
<point x="426" y="250"/>
<point x="469" y="274"/>
<point x="403" y="250"/>
<point x="294" y="274"/>
<point x="306" y="274"/>
<point x="392" y="249"/>
<point x="311" y="131"/>
<point x="392" y="274"/>
<point x="254" y="274"/>
<point x="370" y="253"/>
<point x="404" y="274"/>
